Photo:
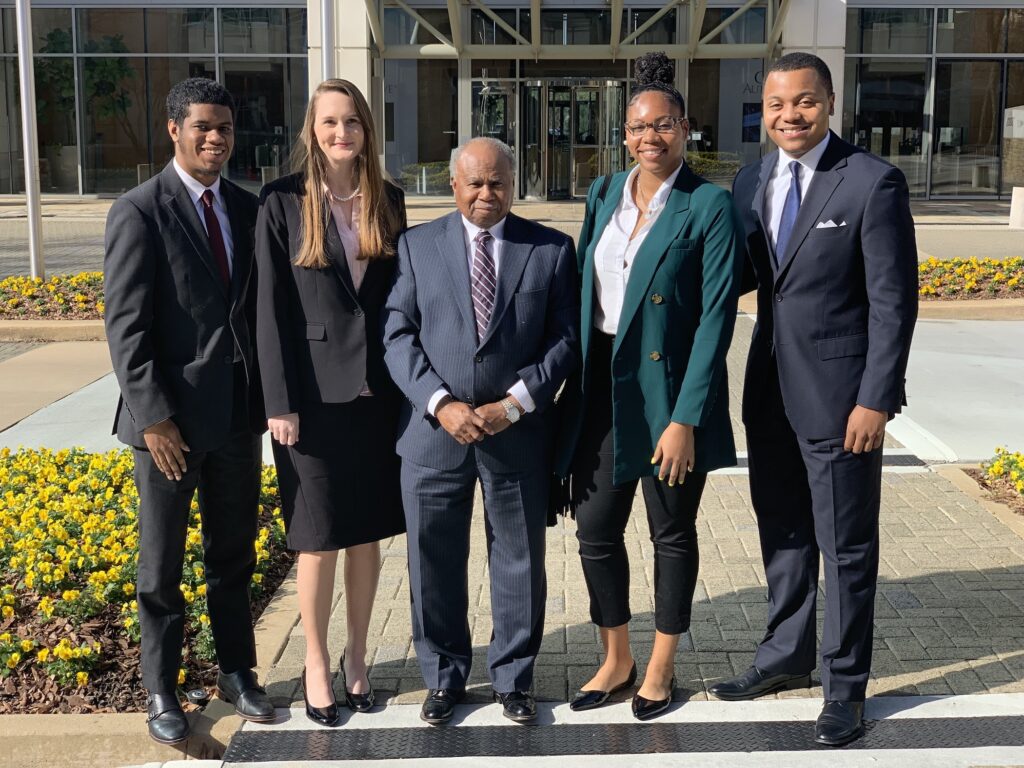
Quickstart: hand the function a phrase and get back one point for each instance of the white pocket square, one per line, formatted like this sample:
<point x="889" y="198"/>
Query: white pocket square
<point x="829" y="224"/>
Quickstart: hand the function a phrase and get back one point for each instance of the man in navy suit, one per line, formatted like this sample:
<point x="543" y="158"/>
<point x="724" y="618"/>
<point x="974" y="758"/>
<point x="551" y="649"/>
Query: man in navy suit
<point x="480" y="333"/>
<point x="831" y="242"/>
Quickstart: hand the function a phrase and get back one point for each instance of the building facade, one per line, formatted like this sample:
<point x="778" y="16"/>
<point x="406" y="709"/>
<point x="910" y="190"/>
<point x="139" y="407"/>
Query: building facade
<point x="936" y="89"/>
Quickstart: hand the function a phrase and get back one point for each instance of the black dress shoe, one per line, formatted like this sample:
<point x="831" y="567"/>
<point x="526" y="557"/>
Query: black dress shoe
<point x="165" y="719"/>
<point x="328" y="715"/>
<point x="357" y="702"/>
<point x="518" y="706"/>
<point x="251" y="701"/>
<point x="645" y="709"/>
<point x="440" y="704"/>
<point x="840" y="722"/>
<point x="756" y="682"/>
<point x="594" y="699"/>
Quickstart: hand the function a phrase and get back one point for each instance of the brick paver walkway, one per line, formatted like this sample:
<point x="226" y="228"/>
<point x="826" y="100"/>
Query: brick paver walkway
<point x="9" y="349"/>
<point x="949" y="617"/>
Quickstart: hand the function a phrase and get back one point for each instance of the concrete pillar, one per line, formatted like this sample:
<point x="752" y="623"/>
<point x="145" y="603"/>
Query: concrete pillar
<point x="819" y="27"/>
<point x="1017" y="208"/>
<point x="352" y="41"/>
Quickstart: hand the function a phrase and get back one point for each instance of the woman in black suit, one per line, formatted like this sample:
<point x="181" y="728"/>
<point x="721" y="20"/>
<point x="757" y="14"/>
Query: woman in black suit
<point x="325" y="242"/>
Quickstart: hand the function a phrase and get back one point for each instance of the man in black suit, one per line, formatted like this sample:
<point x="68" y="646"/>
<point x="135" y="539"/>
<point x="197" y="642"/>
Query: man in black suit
<point x="831" y="241"/>
<point x="177" y="273"/>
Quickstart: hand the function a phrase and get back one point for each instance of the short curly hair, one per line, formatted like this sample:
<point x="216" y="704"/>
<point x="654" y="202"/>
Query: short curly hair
<point x="655" y="71"/>
<point x="196" y="90"/>
<point x="800" y="60"/>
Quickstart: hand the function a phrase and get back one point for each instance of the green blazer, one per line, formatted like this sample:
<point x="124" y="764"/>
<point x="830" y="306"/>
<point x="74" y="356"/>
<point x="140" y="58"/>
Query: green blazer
<point x="678" y="314"/>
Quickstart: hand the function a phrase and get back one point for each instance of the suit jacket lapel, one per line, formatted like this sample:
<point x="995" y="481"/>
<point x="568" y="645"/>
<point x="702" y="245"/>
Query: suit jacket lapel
<point x="827" y="176"/>
<point x="514" y="255"/>
<point x="451" y="245"/>
<point x="336" y="255"/>
<point x="768" y="162"/>
<point x="652" y="252"/>
<point x="180" y="203"/>
<point x="241" y="240"/>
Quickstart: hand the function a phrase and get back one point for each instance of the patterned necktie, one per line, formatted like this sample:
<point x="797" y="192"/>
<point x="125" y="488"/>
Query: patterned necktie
<point x="213" y="231"/>
<point x="789" y="212"/>
<point x="484" y="281"/>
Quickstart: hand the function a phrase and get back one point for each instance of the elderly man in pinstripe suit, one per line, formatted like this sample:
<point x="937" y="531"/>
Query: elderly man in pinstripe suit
<point x="480" y="332"/>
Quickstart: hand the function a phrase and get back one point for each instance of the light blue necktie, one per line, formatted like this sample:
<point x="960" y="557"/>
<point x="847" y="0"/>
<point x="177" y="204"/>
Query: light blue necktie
<point x="789" y="212"/>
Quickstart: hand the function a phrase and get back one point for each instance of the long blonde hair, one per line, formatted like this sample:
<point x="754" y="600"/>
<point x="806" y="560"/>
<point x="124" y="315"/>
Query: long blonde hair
<point x="378" y="220"/>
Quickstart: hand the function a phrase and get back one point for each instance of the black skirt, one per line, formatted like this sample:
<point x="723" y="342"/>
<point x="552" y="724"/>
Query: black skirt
<point x="340" y="482"/>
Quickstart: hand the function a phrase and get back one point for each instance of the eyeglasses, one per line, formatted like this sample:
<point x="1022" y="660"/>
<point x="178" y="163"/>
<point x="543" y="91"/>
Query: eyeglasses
<point x="661" y="125"/>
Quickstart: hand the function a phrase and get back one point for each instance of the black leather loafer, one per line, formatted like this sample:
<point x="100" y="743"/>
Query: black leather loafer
<point x="251" y="701"/>
<point x="165" y="719"/>
<point x="645" y="709"/>
<point x="593" y="699"/>
<point x="440" y="704"/>
<point x="756" y="682"/>
<point x="840" y="722"/>
<point x="357" y="702"/>
<point x="328" y="715"/>
<point x="517" y="706"/>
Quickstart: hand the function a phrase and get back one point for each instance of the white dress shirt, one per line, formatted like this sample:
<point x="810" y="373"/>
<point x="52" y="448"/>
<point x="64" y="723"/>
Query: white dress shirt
<point x="778" y="184"/>
<point x="470" y="231"/>
<point x="614" y="254"/>
<point x="196" y="189"/>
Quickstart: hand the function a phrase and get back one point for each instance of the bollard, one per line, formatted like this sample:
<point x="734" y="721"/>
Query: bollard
<point x="1017" y="208"/>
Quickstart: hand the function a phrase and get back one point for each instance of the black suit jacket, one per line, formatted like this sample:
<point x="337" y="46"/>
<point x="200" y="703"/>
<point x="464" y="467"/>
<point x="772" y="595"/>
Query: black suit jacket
<point x="318" y="338"/>
<point x="837" y="309"/>
<point x="173" y="329"/>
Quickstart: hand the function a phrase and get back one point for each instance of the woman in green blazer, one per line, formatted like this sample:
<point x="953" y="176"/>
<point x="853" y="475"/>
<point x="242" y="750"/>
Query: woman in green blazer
<point x="660" y="261"/>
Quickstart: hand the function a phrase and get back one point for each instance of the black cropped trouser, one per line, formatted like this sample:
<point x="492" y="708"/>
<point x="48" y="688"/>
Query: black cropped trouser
<point x="602" y="512"/>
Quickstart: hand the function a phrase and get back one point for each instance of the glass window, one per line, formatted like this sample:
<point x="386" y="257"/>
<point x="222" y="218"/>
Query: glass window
<point x="979" y="30"/>
<point x="724" y="107"/>
<point x="12" y="174"/>
<point x="163" y="73"/>
<point x="483" y="30"/>
<point x="491" y="68"/>
<point x="662" y="32"/>
<point x="402" y="29"/>
<point x="1013" y="128"/>
<point x="263" y="30"/>
<point x="420" y="101"/>
<point x="55" y="123"/>
<point x="494" y="110"/>
<point x="889" y="30"/>
<point x="748" y="28"/>
<point x="1015" y="31"/>
<point x="575" y="27"/>
<point x="114" y="123"/>
<point x="171" y="30"/>
<point x="51" y="30"/>
<point x="591" y="68"/>
<point x="965" y="158"/>
<point x="8" y="31"/>
<point x="111" y="30"/>
<point x="884" y="113"/>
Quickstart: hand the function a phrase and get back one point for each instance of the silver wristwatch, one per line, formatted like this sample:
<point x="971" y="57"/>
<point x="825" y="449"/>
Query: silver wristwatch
<point x="511" y="412"/>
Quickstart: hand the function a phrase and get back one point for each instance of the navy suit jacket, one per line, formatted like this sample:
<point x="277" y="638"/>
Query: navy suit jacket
<point x="431" y="342"/>
<point x="837" y="308"/>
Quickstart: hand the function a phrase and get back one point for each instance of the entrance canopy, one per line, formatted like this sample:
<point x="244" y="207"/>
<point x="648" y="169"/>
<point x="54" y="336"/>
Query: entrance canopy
<point x="456" y="44"/>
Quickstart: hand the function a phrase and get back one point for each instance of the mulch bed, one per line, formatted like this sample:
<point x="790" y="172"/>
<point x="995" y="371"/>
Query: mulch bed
<point x="1000" y="489"/>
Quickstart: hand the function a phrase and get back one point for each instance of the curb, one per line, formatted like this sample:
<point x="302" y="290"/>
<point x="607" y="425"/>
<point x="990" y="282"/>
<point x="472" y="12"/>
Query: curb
<point x="964" y="482"/>
<point x="52" y="330"/>
<point x="112" y="739"/>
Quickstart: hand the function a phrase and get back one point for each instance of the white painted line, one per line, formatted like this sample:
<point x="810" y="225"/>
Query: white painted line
<point x="860" y="758"/>
<point x="774" y="710"/>
<point x="919" y="440"/>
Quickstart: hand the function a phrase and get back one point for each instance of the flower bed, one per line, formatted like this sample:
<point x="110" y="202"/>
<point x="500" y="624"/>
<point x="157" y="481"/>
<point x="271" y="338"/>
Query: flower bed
<point x="62" y="297"/>
<point x="971" y="278"/>
<point x="69" y="633"/>
<point x="1003" y="477"/>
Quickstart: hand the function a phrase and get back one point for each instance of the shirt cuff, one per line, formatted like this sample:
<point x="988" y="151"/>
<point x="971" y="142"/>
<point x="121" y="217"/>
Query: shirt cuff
<point x="435" y="399"/>
<point x="522" y="394"/>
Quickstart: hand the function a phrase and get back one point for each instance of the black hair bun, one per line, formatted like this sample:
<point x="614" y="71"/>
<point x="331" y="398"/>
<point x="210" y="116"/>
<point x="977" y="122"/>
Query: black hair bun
<point x="654" y="68"/>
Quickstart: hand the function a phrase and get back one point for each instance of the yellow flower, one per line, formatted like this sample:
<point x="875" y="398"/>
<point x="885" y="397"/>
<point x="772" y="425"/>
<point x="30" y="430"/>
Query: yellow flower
<point x="42" y="655"/>
<point x="82" y="678"/>
<point x="7" y="612"/>
<point x="204" y="620"/>
<point x="13" y="659"/>
<point x="181" y="677"/>
<point x="27" y="645"/>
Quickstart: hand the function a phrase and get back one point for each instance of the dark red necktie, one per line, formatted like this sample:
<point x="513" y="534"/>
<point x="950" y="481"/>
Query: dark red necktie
<point x="220" y="252"/>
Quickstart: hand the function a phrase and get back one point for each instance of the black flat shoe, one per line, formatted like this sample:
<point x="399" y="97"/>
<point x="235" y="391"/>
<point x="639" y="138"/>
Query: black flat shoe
<point x="165" y="719"/>
<point x="251" y="701"/>
<point x="839" y="723"/>
<point x="328" y="715"/>
<point x="594" y="699"/>
<point x="756" y="682"/>
<point x="439" y="706"/>
<point x="645" y="709"/>
<point x="357" y="702"/>
<point x="517" y="706"/>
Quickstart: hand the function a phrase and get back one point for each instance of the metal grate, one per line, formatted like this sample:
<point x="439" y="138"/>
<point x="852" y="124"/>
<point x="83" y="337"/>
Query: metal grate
<point x="624" y="739"/>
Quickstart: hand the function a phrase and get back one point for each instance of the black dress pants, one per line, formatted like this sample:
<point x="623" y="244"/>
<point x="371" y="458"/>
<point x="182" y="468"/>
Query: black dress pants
<point x="602" y="511"/>
<point x="228" y="480"/>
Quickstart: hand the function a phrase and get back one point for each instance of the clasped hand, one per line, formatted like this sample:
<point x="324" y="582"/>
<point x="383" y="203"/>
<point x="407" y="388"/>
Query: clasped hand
<point x="470" y="425"/>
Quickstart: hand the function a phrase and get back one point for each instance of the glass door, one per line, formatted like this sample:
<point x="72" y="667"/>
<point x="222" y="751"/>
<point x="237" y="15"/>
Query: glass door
<point x="531" y="171"/>
<point x="559" y="142"/>
<point x="965" y="157"/>
<point x="586" y="138"/>
<point x="614" y="117"/>
<point x="494" y="112"/>
<point x="1013" y="128"/>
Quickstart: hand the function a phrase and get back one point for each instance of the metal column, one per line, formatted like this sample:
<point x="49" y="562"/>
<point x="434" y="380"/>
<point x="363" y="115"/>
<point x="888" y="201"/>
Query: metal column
<point x="29" y="138"/>
<point x="326" y="39"/>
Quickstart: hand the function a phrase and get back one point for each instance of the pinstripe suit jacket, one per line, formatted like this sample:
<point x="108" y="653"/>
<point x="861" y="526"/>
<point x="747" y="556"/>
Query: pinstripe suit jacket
<point x="431" y="342"/>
